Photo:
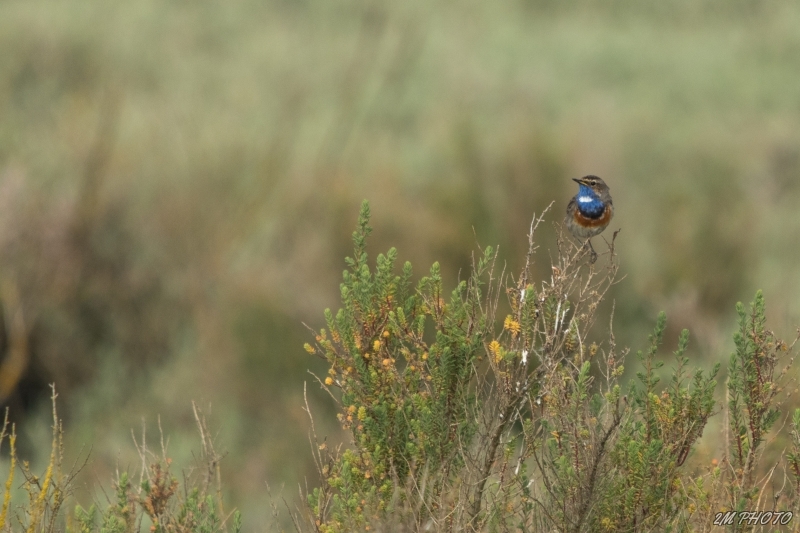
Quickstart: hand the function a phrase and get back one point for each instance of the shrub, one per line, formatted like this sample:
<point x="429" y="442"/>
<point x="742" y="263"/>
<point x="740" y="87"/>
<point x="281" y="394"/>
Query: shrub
<point x="463" y="421"/>
<point x="156" y="502"/>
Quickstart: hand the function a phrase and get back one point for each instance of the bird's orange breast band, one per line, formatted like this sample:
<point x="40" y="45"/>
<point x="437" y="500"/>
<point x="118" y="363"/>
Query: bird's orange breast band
<point x="587" y="222"/>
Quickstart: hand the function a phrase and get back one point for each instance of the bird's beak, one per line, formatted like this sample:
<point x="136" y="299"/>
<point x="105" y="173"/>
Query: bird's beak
<point x="578" y="180"/>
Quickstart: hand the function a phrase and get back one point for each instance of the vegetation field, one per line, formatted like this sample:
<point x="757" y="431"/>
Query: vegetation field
<point x="179" y="182"/>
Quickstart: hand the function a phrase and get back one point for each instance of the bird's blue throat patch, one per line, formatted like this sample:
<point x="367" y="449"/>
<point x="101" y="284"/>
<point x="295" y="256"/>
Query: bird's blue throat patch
<point x="588" y="203"/>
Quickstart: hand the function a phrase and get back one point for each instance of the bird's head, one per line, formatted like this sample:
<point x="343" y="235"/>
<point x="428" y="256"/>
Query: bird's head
<point x="592" y="182"/>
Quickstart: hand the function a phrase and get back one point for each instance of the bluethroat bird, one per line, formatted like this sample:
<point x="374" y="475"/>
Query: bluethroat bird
<point x="590" y="211"/>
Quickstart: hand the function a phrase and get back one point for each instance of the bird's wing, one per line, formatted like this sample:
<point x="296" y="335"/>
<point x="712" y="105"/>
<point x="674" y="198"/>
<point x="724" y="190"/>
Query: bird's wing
<point x="571" y="205"/>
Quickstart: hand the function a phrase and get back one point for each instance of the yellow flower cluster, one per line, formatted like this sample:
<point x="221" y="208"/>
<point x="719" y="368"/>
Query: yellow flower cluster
<point x="511" y="325"/>
<point x="496" y="351"/>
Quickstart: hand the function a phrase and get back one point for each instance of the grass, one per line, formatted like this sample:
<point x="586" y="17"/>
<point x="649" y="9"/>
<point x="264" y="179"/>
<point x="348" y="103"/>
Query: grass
<point x="156" y="503"/>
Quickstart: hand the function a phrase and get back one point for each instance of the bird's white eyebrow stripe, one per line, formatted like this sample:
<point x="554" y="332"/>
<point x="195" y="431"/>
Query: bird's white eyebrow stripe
<point x="585" y="199"/>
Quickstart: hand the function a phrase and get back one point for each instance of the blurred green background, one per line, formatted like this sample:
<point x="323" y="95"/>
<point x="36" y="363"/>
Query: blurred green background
<point x="179" y="181"/>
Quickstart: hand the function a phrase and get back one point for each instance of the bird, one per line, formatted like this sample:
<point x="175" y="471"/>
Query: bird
<point x="590" y="211"/>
